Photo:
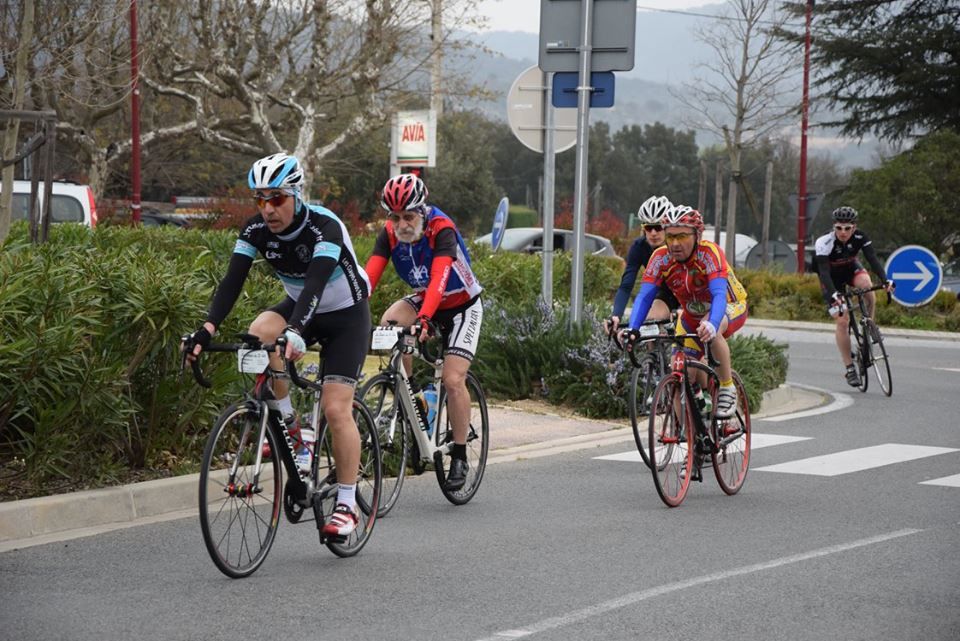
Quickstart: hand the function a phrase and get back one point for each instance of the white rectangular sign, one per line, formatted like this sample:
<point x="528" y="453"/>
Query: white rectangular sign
<point x="414" y="138"/>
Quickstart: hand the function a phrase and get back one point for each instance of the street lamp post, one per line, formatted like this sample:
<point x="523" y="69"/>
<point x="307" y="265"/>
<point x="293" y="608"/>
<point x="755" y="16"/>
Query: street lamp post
<point x="134" y="116"/>
<point x="802" y="195"/>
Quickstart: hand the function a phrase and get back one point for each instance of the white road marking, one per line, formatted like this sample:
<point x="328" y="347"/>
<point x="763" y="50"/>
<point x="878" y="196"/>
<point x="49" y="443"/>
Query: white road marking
<point x="633" y="598"/>
<point x="946" y="481"/>
<point x="857" y="460"/>
<point x="947" y="369"/>
<point x="840" y="401"/>
<point x="756" y="442"/>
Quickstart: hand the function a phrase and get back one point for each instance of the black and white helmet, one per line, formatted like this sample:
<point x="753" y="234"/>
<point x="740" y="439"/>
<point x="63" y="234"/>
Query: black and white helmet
<point x="277" y="171"/>
<point x="844" y="215"/>
<point x="653" y="210"/>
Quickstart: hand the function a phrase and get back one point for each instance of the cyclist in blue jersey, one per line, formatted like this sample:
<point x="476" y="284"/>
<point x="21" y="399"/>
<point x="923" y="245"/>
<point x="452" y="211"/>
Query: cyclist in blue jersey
<point x="429" y="255"/>
<point x="326" y="301"/>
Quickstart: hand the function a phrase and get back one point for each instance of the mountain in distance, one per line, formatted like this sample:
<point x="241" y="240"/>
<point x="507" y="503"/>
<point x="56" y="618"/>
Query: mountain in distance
<point x="667" y="55"/>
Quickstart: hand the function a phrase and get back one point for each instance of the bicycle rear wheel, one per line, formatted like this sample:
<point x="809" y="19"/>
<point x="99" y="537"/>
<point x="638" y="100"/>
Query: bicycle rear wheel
<point x="878" y="352"/>
<point x="240" y="501"/>
<point x="670" y="440"/>
<point x="369" y="480"/>
<point x="642" y="384"/>
<point x="731" y="439"/>
<point x="478" y="441"/>
<point x="379" y="395"/>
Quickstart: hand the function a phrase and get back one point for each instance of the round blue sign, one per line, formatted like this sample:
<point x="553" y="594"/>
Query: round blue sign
<point x="917" y="274"/>
<point x="499" y="223"/>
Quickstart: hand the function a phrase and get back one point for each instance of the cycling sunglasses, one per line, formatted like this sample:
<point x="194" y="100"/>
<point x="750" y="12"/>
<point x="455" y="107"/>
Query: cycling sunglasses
<point x="670" y="238"/>
<point x="407" y="217"/>
<point x="653" y="228"/>
<point x="276" y="199"/>
<point x="843" y="227"/>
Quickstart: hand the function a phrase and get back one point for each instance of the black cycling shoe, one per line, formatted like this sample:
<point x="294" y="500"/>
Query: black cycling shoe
<point x="457" y="476"/>
<point x="853" y="378"/>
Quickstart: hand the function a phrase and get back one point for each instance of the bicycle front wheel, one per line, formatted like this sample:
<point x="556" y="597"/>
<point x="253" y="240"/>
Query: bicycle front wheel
<point x="731" y="439"/>
<point x="670" y="440"/>
<point x="369" y="480"/>
<point x="860" y="353"/>
<point x="379" y="395"/>
<point x="642" y="384"/>
<point x="478" y="441"/>
<point x="881" y="363"/>
<point x="240" y="491"/>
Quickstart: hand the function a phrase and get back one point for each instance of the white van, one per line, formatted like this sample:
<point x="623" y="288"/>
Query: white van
<point x="70" y="202"/>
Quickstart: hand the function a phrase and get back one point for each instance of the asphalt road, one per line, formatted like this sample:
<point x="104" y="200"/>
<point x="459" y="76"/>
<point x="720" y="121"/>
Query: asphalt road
<point x="573" y="546"/>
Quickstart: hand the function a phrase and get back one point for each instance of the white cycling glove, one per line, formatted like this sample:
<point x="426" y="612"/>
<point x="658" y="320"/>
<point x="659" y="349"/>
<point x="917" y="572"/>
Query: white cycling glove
<point x="295" y="340"/>
<point x="711" y="330"/>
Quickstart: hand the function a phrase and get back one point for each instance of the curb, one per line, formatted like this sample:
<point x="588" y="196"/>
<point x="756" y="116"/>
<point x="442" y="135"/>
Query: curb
<point x="53" y="518"/>
<point x="811" y="326"/>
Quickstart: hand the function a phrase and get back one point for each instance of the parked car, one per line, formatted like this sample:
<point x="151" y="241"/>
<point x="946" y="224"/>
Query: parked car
<point x="69" y="203"/>
<point x="951" y="276"/>
<point x="530" y="240"/>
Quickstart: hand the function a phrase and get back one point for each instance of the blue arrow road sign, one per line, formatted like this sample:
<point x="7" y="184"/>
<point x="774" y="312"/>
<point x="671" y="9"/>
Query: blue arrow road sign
<point x="917" y="274"/>
<point x="499" y="223"/>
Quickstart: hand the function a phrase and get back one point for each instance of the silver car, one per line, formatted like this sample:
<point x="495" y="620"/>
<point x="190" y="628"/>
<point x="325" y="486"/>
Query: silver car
<point x="530" y="240"/>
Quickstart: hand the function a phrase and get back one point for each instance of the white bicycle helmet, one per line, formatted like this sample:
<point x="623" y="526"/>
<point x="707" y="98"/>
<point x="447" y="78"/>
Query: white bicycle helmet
<point x="277" y="171"/>
<point x="653" y="210"/>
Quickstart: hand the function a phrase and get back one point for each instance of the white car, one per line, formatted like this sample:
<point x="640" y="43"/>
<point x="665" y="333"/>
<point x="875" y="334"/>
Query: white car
<point x="70" y="202"/>
<point x="530" y="240"/>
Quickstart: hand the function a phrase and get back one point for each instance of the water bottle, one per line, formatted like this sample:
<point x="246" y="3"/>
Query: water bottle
<point x="703" y="401"/>
<point x="421" y="404"/>
<point x="430" y="397"/>
<point x="305" y="453"/>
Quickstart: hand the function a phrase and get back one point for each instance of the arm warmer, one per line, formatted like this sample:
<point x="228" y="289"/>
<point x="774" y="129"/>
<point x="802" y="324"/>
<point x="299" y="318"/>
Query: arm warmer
<point x="627" y="281"/>
<point x="229" y="288"/>
<point x="439" y="275"/>
<point x="718" y="302"/>
<point x="823" y="270"/>
<point x="374" y="268"/>
<point x="871" y="257"/>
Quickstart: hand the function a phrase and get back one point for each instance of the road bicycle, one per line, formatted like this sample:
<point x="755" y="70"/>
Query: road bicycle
<point x="409" y="438"/>
<point x="866" y="341"/>
<point x="241" y="479"/>
<point x="650" y="360"/>
<point x="680" y="437"/>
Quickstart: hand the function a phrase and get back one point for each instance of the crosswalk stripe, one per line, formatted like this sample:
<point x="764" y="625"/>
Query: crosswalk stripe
<point x="756" y="442"/>
<point x="946" y="481"/>
<point x="857" y="460"/>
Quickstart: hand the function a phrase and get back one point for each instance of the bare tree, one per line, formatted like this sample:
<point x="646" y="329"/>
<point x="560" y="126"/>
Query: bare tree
<point x="743" y="94"/>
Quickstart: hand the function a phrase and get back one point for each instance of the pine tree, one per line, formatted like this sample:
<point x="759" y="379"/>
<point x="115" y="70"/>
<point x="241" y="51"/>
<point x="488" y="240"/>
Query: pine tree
<point x="888" y="67"/>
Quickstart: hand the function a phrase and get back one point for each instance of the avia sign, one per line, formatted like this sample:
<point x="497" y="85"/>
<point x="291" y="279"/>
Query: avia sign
<point x="414" y="138"/>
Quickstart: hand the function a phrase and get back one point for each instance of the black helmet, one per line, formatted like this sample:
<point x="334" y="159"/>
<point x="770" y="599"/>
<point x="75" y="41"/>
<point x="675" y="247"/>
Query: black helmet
<point x="844" y="215"/>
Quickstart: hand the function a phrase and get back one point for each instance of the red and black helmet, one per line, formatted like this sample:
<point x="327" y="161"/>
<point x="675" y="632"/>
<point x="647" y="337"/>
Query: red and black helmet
<point x="405" y="192"/>
<point x="683" y="216"/>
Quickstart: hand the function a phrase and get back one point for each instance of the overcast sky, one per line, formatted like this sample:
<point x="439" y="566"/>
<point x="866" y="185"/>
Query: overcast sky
<point x="524" y="15"/>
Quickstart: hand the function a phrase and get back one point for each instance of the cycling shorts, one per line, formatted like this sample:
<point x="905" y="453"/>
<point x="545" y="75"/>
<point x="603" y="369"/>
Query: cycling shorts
<point x="664" y="294"/>
<point x="343" y="334"/>
<point x="736" y="316"/>
<point x="459" y="326"/>
<point x="841" y="276"/>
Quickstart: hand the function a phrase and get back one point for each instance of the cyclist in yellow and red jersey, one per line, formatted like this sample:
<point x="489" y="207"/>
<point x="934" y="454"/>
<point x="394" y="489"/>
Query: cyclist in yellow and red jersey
<point x="713" y="302"/>
<point x="429" y="255"/>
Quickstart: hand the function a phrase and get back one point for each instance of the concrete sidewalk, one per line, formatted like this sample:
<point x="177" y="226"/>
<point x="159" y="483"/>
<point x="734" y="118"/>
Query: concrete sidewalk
<point x="517" y="431"/>
<point x="810" y="326"/>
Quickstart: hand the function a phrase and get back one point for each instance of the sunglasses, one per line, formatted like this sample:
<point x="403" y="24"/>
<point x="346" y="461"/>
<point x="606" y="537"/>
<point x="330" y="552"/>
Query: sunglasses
<point x="275" y="199"/>
<point x="407" y="217"/>
<point x="843" y="227"/>
<point x="671" y="238"/>
<point x="653" y="228"/>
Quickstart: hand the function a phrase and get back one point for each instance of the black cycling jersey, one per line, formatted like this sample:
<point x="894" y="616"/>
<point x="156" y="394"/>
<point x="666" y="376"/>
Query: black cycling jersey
<point x="313" y="258"/>
<point x="837" y="261"/>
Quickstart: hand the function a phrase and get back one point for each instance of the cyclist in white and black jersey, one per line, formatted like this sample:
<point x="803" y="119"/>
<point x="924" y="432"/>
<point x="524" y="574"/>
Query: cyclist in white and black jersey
<point x="837" y="266"/>
<point x="326" y="302"/>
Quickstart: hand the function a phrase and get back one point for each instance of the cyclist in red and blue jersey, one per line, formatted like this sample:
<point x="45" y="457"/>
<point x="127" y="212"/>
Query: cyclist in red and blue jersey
<point x="429" y="255"/>
<point x="326" y="301"/>
<point x="713" y="302"/>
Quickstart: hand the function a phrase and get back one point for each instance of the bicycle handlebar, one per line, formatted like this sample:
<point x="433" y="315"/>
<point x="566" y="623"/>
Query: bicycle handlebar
<point x="423" y="347"/>
<point x="249" y="342"/>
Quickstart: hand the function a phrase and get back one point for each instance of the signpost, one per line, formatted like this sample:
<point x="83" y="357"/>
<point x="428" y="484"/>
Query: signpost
<point x="413" y="140"/>
<point x="499" y="223"/>
<point x="917" y="273"/>
<point x="525" y="113"/>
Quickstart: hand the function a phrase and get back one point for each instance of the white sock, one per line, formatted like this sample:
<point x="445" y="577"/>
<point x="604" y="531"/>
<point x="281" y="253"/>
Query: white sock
<point x="347" y="494"/>
<point x="286" y="407"/>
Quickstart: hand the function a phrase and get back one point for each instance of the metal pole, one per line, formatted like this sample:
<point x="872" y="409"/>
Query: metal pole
<point x="436" y="67"/>
<point x="702" y="196"/>
<point x="134" y="116"/>
<point x="718" y="197"/>
<point x="580" y="185"/>
<point x="767" y="201"/>
<point x="802" y="195"/>
<point x="549" y="182"/>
